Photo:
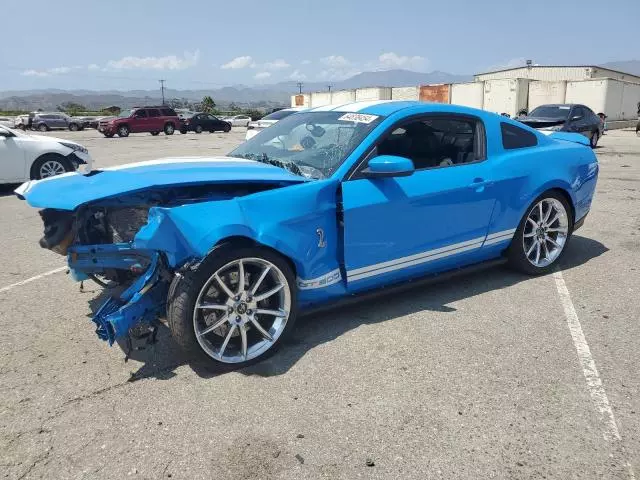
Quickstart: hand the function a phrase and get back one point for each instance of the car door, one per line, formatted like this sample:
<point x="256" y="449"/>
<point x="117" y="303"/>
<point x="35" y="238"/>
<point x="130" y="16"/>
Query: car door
<point x="155" y="123"/>
<point x="12" y="158"/>
<point x="399" y="227"/>
<point x="579" y="122"/>
<point x="139" y="121"/>
<point x="213" y="123"/>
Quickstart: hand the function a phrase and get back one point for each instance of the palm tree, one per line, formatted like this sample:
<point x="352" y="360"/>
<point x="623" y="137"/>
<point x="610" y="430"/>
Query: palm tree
<point x="208" y="104"/>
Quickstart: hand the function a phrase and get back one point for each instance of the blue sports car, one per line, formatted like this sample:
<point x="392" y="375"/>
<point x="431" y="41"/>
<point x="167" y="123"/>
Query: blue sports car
<point x="326" y="205"/>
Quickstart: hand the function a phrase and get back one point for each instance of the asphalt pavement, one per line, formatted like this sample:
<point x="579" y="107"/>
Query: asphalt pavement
<point x="493" y="375"/>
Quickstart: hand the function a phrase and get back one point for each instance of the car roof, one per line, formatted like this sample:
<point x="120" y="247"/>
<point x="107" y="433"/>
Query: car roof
<point x="389" y="107"/>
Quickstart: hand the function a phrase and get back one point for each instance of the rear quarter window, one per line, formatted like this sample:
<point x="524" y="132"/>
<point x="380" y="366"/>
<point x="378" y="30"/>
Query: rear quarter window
<point x="515" y="137"/>
<point x="168" y="112"/>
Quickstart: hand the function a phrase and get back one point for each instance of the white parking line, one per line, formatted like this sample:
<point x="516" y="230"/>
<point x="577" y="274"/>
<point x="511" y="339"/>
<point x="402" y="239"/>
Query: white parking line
<point x="594" y="383"/>
<point x="29" y="280"/>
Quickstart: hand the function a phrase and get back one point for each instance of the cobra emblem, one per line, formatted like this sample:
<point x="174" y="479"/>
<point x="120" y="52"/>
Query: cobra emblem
<point x="321" y="241"/>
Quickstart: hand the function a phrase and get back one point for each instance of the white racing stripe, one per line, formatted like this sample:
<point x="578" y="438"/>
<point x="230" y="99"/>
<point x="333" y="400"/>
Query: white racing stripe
<point x="589" y="370"/>
<point x="29" y="280"/>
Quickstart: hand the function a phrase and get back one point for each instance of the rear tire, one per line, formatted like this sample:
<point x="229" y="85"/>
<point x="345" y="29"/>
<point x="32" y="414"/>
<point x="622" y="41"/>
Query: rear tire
<point x="542" y="236"/>
<point x="123" y="131"/>
<point x="263" y="333"/>
<point x="43" y="127"/>
<point x="227" y="129"/>
<point x="155" y="134"/>
<point x="169" y="128"/>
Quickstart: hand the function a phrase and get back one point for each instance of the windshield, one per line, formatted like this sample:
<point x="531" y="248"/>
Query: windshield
<point x="279" y="115"/>
<point x="551" y="111"/>
<point x="125" y="114"/>
<point x="312" y="144"/>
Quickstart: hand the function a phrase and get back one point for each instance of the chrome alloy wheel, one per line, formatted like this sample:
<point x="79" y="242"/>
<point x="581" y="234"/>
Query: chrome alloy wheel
<point x="51" y="168"/>
<point x="242" y="310"/>
<point x="545" y="232"/>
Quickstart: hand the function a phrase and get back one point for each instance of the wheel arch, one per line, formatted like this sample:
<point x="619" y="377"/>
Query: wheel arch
<point x="245" y="241"/>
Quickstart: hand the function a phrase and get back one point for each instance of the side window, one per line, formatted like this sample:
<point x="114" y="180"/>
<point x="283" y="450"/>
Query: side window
<point x="167" y="112"/>
<point x="154" y="112"/>
<point x="515" y="137"/>
<point x="211" y="117"/>
<point x="578" y="112"/>
<point x="436" y="142"/>
<point x="140" y="114"/>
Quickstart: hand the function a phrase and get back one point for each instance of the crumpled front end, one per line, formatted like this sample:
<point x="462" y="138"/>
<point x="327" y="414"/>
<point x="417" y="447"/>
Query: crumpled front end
<point x="135" y="244"/>
<point x="144" y="298"/>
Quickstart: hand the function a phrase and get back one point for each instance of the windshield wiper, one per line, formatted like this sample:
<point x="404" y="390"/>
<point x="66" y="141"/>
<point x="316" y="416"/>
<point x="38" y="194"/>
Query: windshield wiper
<point x="264" y="158"/>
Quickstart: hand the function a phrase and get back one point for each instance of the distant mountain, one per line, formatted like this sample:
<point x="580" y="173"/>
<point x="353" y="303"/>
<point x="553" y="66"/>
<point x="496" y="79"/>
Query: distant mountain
<point x="627" y="66"/>
<point x="400" y="78"/>
<point x="242" y="95"/>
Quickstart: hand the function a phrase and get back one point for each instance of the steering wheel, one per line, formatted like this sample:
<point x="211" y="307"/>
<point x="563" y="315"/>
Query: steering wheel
<point x="308" y="142"/>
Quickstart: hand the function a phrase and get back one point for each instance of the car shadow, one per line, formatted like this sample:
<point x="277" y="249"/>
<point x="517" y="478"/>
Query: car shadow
<point x="6" y="190"/>
<point x="160" y="359"/>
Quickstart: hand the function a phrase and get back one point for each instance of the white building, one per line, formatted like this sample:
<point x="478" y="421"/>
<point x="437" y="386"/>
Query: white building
<point x="557" y="73"/>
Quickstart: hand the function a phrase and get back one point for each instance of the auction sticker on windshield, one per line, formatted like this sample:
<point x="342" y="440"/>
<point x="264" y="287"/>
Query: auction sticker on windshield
<point x="358" y="117"/>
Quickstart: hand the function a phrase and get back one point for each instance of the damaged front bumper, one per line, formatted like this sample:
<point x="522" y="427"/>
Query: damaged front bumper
<point x="144" y="300"/>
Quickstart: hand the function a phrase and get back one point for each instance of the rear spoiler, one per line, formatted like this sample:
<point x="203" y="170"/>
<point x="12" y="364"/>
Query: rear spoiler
<point x="570" y="137"/>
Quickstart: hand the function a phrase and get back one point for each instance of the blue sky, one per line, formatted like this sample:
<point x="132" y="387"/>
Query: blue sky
<point x="198" y="44"/>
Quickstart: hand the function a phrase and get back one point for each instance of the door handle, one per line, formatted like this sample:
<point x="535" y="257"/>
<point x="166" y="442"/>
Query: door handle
<point x="478" y="184"/>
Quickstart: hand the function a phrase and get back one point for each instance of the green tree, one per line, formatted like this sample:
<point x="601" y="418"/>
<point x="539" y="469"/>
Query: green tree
<point x="208" y="104"/>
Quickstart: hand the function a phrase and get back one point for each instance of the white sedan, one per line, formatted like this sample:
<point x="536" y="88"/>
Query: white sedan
<point x="256" y="127"/>
<point x="33" y="157"/>
<point x="238" y="120"/>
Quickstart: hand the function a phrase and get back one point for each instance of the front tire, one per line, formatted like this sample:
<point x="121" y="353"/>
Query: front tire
<point x="236" y="308"/>
<point x="73" y="127"/>
<point x="198" y="129"/>
<point x="542" y="236"/>
<point x="49" y="165"/>
<point x="123" y="131"/>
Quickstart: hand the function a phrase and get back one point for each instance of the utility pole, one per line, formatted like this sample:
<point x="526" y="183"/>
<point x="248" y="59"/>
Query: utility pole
<point x="329" y="87"/>
<point x="300" y="87"/>
<point x="162" y="89"/>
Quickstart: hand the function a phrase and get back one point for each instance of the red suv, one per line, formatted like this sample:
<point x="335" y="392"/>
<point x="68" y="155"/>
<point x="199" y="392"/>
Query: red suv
<point x="141" y="119"/>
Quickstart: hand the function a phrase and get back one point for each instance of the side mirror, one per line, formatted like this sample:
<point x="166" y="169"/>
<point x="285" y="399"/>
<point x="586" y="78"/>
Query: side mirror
<point x="389" y="166"/>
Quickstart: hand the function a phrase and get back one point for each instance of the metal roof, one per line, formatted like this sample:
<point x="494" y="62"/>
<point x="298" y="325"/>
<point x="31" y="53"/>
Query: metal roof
<point x="557" y="66"/>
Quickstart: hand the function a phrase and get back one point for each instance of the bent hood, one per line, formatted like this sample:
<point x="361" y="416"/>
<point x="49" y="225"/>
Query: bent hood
<point x="70" y="190"/>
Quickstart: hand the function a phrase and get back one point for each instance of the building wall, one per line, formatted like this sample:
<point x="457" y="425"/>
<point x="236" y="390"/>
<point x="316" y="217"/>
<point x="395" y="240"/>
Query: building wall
<point x="373" y="93"/>
<point x="302" y="100"/>
<point x="506" y="96"/>
<point x="545" y="74"/>
<point x="555" y="74"/>
<point x="437" y="93"/>
<point x="405" y="93"/>
<point x="340" y="97"/>
<point x="319" y="99"/>
<point x="468" y="94"/>
<point x="541" y="93"/>
<point x="616" y="99"/>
